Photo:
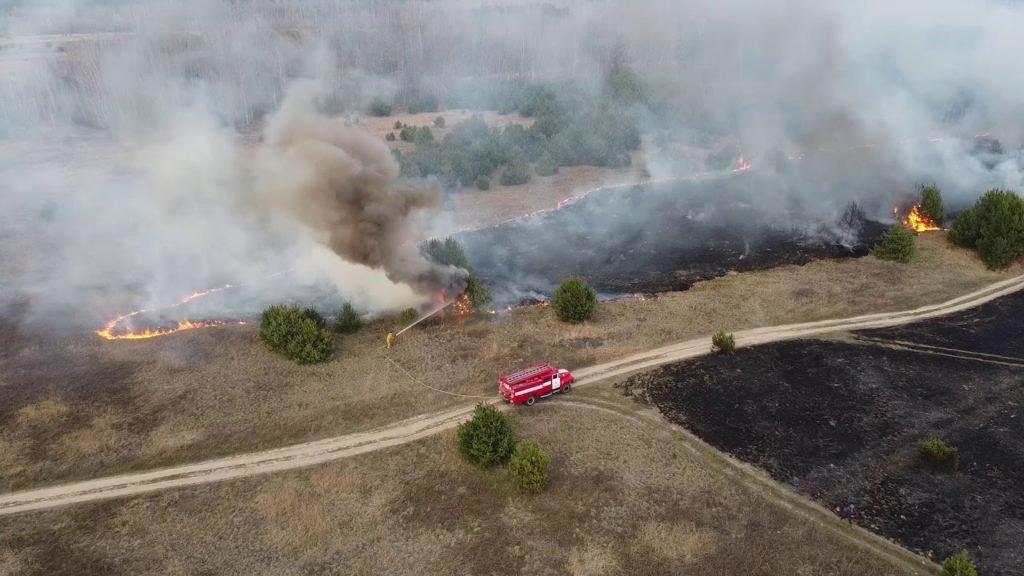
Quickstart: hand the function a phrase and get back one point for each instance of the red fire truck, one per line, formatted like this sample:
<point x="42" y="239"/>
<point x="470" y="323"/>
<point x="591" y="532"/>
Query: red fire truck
<point x="528" y="384"/>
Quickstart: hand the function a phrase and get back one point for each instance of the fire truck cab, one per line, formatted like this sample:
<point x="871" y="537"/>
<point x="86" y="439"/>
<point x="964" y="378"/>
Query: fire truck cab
<point x="525" y="386"/>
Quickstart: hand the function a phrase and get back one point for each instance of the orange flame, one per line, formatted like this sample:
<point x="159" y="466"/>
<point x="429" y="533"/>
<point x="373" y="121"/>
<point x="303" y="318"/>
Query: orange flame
<point x="464" y="305"/>
<point x="107" y="332"/>
<point x="917" y="221"/>
<point x="110" y="329"/>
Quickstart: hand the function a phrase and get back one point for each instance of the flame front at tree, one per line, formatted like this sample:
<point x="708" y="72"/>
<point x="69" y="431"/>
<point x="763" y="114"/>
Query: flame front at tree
<point x="464" y="305"/>
<point x="918" y="221"/>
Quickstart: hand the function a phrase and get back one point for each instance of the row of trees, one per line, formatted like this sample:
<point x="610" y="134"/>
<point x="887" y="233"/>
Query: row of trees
<point x="587" y="132"/>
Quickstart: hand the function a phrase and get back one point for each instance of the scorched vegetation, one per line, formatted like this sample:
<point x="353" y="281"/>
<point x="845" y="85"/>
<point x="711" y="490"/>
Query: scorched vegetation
<point x="919" y="427"/>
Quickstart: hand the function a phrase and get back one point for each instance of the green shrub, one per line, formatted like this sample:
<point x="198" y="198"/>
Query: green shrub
<point x="994" y="227"/>
<point x="297" y="334"/>
<point x="529" y="467"/>
<point x="487" y="439"/>
<point x="959" y="565"/>
<point x="932" y="206"/>
<point x="722" y="343"/>
<point x="447" y="252"/>
<point x="390" y="137"/>
<point x="478" y="293"/>
<point x="938" y="453"/>
<point x="964" y="231"/>
<point x="1000" y="236"/>
<point x="574" y="301"/>
<point x="348" y="321"/>
<point x="439" y="122"/>
<point x="398" y="124"/>
<point x="545" y="166"/>
<point x="408" y="133"/>
<point x="424" y="135"/>
<point x="896" y="244"/>
<point x="380" y="107"/>
<point x="408" y="316"/>
<point x="515" y="173"/>
<point x="622" y="84"/>
<point x="483" y="183"/>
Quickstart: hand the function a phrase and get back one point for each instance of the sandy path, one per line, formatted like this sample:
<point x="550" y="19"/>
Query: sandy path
<point x="316" y="452"/>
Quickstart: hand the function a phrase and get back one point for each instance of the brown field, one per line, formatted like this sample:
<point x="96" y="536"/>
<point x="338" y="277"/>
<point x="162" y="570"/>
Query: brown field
<point x="626" y="495"/>
<point x="80" y="407"/>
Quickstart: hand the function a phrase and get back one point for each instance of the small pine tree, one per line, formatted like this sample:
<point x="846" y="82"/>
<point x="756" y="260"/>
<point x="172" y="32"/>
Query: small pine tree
<point x="1000" y="239"/>
<point x="994" y="227"/>
<point x="439" y="122"/>
<point x="348" y="321"/>
<point x="487" y="438"/>
<point x="722" y="343"/>
<point x="478" y="293"/>
<point x="408" y="133"/>
<point x="964" y="231"/>
<point x="932" y="206"/>
<point x="529" y="467"/>
<point x="515" y="173"/>
<point x="398" y="125"/>
<point x="483" y="183"/>
<point x="575" y="301"/>
<point x="897" y="244"/>
<point x="545" y="166"/>
<point x="424" y="135"/>
<point x="959" y="565"/>
<point x="390" y="137"/>
<point x="447" y="252"/>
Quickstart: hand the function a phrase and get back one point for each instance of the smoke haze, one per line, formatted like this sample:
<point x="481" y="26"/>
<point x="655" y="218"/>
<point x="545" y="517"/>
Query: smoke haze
<point x="149" y="149"/>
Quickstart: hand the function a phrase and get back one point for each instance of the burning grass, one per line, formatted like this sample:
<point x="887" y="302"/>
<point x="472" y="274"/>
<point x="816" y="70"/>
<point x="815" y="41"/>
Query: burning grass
<point x="624" y="497"/>
<point x="219" y="391"/>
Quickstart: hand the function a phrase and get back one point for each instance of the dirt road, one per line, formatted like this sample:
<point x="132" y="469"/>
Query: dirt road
<point x="311" y="453"/>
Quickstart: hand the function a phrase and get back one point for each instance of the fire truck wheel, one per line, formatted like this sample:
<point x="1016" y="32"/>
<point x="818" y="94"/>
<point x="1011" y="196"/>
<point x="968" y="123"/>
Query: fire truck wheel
<point x="566" y="389"/>
<point x="530" y="401"/>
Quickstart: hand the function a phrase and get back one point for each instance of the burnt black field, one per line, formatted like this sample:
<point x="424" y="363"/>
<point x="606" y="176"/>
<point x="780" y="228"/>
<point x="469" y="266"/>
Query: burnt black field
<point x="660" y="238"/>
<point x="841" y="421"/>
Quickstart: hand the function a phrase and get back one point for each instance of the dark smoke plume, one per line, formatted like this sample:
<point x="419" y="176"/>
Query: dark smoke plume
<point x="343" y="183"/>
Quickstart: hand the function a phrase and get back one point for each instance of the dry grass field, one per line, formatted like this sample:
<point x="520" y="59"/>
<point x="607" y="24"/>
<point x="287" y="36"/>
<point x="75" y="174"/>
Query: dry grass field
<point x="76" y="407"/>
<point x="625" y="496"/>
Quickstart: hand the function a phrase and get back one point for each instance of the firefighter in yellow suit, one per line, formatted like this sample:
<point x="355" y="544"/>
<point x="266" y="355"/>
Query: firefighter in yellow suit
<point x="390" y="340"/>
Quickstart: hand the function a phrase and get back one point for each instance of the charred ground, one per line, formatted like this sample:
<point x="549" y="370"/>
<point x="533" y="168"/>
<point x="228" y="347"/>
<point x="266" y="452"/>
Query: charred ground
<point x="660" y="238"/>
<point x="842" y="420"/>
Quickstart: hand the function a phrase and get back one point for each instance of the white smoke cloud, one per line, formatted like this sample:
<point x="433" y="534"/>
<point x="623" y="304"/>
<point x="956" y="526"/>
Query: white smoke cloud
<point x="131" y="172"/>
